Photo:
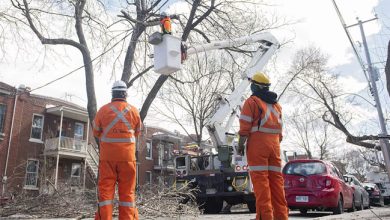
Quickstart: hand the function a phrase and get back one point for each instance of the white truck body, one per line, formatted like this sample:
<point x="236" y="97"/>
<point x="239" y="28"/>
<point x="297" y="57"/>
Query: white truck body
<point x="382" y="180"/>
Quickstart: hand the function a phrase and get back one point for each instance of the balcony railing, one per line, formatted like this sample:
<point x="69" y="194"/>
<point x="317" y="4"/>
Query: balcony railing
<point x="66" y="144"/>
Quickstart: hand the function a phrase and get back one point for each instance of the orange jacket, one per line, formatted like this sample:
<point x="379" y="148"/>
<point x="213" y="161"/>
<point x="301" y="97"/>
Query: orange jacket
<point x="117" y="124"/>
<point x="166" y="25"/>
<point x="259" y="116"/>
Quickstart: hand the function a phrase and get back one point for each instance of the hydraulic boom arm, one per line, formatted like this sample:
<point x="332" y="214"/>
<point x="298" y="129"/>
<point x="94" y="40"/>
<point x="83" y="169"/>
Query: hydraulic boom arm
<point x="218" y="126"/>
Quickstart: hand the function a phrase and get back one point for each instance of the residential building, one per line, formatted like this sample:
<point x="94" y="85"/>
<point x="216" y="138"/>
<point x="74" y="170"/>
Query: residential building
<point x="156" y="148"/>
<point x="47" y="142"/>
<point x="44" y="142"/>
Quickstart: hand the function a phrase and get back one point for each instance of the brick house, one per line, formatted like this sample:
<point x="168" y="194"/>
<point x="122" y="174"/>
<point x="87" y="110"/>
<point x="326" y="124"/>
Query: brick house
<point x="156" y="149"/>
<point x="42" y="138"/>
<point x="47" y="138"/>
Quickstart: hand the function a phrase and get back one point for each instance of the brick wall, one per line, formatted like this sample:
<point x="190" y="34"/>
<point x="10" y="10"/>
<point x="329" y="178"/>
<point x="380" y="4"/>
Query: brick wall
<point x="22" y="147"/>
<point x="147" y="164"/>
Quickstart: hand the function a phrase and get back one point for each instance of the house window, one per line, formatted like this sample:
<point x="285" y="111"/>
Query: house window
<point x="37" y="127"/>
<point x="2" y="117"/>
<point x="78" y="136"/>
<point x="149" y="150"/>
<point x="32" y="174"/>
<point x="75" y="173"/>
<point x="148" y="177"/>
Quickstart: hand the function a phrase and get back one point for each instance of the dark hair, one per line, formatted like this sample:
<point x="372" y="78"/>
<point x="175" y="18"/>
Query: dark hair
<point x="119" y="94"/>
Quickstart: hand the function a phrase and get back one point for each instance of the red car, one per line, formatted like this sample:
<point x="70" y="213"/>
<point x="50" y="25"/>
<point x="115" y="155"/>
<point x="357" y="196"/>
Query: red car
<point x="316" y="185"/>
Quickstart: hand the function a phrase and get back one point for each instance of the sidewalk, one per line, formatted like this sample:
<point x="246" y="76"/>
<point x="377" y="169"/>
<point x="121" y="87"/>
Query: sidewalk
<point x="377" y="213"/>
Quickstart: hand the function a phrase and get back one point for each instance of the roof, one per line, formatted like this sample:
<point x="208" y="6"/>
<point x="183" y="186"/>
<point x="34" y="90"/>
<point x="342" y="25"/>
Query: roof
<point x="59" y="101"/>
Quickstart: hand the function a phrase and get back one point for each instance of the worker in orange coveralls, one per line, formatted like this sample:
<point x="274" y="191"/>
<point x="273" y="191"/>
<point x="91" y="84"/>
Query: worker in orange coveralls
<point x="116" y="125"/>
<point x="261" y="128"/>
<point x="166" y="23"/>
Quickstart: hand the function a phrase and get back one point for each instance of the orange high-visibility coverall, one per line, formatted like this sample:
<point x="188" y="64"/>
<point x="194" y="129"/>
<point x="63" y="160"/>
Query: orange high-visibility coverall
<point x="261" y="123"/>
<point x="166" y="25"/>
<point x="117" y="124"/>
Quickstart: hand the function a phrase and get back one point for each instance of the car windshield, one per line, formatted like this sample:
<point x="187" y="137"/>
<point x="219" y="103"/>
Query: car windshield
<point x="369" y="186"/>
<point x="304" y="168"/>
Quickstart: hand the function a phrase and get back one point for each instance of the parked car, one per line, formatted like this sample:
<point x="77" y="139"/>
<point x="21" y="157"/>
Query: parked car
<point x="316" y="185"/>
<point x="360" y="195"/>
<point x="375" y="194"/>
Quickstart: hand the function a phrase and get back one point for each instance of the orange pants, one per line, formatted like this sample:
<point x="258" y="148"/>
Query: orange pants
<point x="111" y="172"/>
<point x="264" y="162"/>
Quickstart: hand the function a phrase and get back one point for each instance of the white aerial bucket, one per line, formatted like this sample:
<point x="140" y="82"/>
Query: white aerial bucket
<point x="167" y="55"/>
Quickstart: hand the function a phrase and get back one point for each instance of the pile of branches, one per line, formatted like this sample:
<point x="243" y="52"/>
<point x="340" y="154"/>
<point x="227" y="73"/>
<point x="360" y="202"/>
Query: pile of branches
<point x="152" y="201"/>
<point x="159" y="201"/>
<point x="65" y="202"/>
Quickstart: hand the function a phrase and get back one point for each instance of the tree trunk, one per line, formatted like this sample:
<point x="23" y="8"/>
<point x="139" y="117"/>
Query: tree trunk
<point x="152" y="95"/>
<point x="90" y="86"/>
<point x="387" y="69"/>
<point x="138" y="30"/>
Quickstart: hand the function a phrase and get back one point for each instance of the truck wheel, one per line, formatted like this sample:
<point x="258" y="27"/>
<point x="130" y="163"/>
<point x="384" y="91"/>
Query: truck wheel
<point x="251" y="206"/>
<point x="212" y="206"/>
<point x="340" y="207"/>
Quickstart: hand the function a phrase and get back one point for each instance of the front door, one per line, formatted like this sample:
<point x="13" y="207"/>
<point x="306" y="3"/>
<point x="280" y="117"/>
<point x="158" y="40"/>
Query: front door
<point x="78" y="135"/>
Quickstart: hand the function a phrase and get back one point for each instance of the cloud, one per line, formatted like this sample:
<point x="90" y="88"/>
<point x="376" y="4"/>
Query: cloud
<point x="351" y="84"/>
<point x="320" y="25"/>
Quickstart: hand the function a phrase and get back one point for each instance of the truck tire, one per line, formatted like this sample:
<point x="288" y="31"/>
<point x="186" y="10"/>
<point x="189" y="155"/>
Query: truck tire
<point x="251" y="206"/>
<point x="212" y="206"/>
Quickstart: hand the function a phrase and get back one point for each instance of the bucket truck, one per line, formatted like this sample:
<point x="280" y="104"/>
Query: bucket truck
<point x="222" y="174"/>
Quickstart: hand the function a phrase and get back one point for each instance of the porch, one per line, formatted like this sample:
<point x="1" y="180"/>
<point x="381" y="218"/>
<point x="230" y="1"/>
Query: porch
<point x="70" y="141"/>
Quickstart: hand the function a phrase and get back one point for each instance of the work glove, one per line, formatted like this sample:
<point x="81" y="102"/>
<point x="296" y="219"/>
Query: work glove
<point x="241" y="145"/>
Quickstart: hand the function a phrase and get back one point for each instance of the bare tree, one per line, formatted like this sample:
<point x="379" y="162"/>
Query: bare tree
<point x="90" y="21"/>
<point x="308" y="132"/>
<point x="387" y="68"/>
<point x="356" y="164"/>
<point x="196" y="93"/>
<point x="321" y="87"/>
<point x="85" y="21"/>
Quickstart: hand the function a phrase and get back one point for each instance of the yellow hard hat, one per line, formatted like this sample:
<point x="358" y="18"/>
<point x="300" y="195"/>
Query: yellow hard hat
<point x="261" y="78"/>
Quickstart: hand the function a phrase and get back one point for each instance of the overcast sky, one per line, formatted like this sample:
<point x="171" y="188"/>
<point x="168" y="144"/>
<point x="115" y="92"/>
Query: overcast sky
<point x="319" y="25"/>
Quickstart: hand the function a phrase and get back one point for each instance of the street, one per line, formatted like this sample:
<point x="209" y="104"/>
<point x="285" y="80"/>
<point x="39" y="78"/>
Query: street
<point x="243" y="214"/>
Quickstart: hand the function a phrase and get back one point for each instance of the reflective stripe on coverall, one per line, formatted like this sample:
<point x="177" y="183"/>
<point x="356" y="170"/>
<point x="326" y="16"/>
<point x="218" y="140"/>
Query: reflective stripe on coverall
<point x="117" y="124"/>
<point x="261" y="123"/>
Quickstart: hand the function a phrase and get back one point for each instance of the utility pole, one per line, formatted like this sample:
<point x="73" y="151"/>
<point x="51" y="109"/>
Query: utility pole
<point x="383" y="136"/>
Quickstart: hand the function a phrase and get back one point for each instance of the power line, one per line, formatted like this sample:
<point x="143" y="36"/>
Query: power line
<point x="351" y="41"/>
<point x="78" y="68"/>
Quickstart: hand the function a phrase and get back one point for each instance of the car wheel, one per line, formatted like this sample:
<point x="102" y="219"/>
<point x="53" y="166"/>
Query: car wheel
<point x="353" y="208"/>
<point x="340" y="207"/>
<point x="361" y="205"/>
<point x="303" y="211"/>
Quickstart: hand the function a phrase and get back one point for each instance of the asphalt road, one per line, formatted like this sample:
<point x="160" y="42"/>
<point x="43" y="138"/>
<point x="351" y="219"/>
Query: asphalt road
<point x="243" y="214"/>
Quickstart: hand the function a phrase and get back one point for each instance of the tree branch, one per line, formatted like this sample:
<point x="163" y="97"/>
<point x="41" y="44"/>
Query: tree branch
<point x="44" y="40"/>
